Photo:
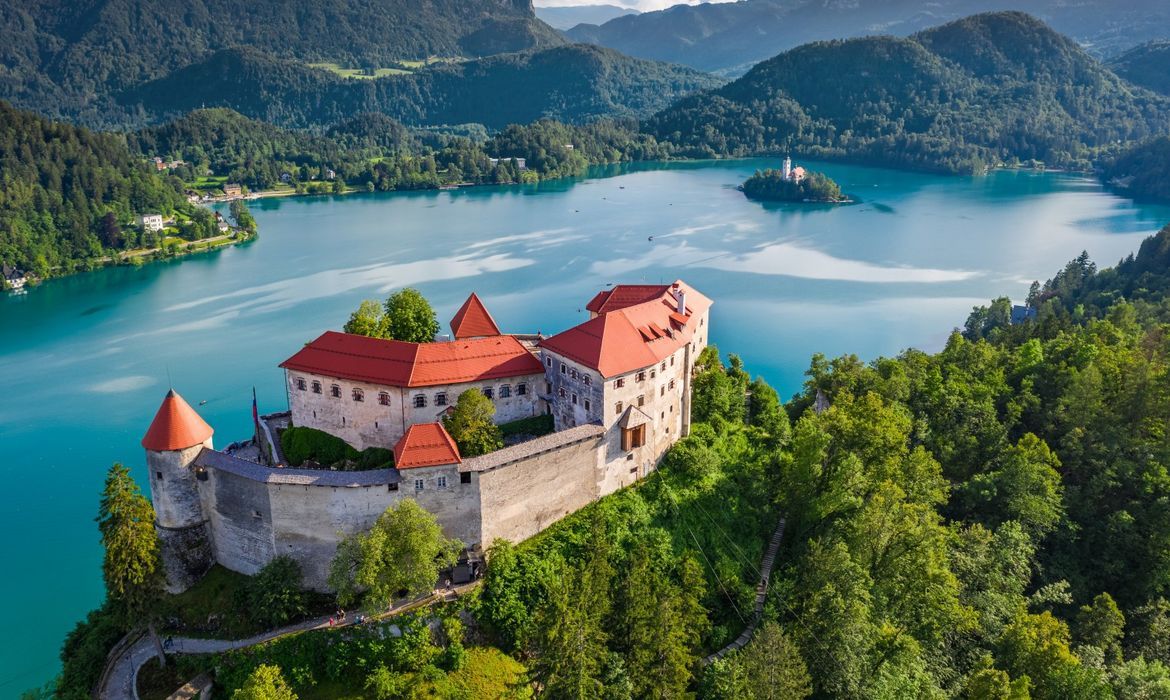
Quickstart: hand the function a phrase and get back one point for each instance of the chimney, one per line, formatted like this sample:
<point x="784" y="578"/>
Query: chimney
<point x="681" y="296"/>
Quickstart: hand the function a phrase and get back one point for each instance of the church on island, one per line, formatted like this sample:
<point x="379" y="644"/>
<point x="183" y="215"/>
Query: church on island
<point x="618" y="388"/>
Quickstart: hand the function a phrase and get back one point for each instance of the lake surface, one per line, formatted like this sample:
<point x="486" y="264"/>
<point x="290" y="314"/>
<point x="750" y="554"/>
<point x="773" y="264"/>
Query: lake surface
<point x="85" y="361"/>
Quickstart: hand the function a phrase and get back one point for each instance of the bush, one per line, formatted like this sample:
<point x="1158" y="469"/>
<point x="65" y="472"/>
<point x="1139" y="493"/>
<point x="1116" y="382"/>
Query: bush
<point x="300" y="444"/>
<point x="83" y="656"/>
<point x="375" y="458"/>
<point x="275" y="596"/>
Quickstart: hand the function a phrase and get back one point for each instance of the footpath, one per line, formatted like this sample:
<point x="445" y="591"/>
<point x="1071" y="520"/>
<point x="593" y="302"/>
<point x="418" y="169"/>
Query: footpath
<point x="119" y="680"/>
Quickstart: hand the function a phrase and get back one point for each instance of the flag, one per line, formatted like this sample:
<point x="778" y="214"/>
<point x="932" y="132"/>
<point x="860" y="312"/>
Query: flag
<point x="255" y="412"/>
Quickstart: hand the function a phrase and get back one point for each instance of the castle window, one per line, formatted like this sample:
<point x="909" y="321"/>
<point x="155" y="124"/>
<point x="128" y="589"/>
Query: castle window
<point x="465" y="477"/>
<point x="487" y="391"/>
<point x="521" y="389"/>
<point x="574" y="399"/>
<point x="391" y="487"/>
<point x="672" y="385"/>
<point x="618" y="408"/>
<point x="158" y="475"/>
<point x="619" y="382"/>
<point x="441" y="482"/>
<point x="641" y="400"/>
<point x="587" y="406"/>
<point x="418" y="484"/>
<point x="588" y="379"/>
<point x="564" y="370"/>
<point x="548" y="361"/>
<point x="441" y="398"/>
<point x="420" y="401"/>
<point x="384" y="398"/>
<point x="359" y="395"/>
<point x="256" y="514"/>
<point x="672" y="360"/>
<point x="662" y="391"/>
<point x="505" y="391"/>
<point x="561" y="392"/>
<point x="633" y="437"/>
<point x="573" y="374"/>
<point x="335" y="391"/>
<point x="664" y="365"/>
<point x="316" y="387"/>
<point x="641" y="376"/>
<point x="653" y="373"/>
<point x="302" y="384"/>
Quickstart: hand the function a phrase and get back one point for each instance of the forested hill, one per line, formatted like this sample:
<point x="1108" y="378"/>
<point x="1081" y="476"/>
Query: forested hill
<point x="569" y="83"/>
<point x="59" y="183"/>
<point x="1147" y="65"/>
<point x="1142" y="172"/>
<point x="63" y="57"/>
<point x="989" y="89"/>
<point x="730" y="37"/>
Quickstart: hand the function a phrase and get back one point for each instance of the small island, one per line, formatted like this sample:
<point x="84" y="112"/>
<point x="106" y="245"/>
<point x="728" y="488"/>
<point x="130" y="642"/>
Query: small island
<point x="793" y="184"/>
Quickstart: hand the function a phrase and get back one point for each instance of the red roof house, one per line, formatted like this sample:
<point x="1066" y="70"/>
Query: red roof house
<point x="637" y="326"/>
<point x="472" y="320"/>
<point x="425" y="445"/>
<point x="397" y="363"/>
<point x="176" y="426"/>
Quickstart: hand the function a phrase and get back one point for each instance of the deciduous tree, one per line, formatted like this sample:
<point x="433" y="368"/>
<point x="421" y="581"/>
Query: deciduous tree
<point x="409" y="317"/>
<point x="471" y="426"/>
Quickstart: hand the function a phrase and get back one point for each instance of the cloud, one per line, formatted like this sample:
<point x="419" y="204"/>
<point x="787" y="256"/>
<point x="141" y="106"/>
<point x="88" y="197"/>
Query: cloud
<point x="122" y="385"/>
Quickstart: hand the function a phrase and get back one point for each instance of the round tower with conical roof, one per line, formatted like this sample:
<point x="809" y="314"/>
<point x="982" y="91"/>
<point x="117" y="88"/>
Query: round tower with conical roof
<point x="176" y="437"/>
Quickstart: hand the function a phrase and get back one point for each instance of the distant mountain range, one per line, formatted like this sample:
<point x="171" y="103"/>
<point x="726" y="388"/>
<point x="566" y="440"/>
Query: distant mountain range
<point x="568" y="17"/>
<point x="1147" y="65"/>
<point x="570" y="83"/>
<point x="728" y="38"/>
<point x="988" y="89"/>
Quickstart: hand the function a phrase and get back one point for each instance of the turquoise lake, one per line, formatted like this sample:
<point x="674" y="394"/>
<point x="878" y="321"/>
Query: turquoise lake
<point x="85" y="361"/>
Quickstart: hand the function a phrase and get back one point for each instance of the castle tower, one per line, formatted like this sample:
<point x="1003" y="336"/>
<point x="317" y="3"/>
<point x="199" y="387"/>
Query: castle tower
<point x="176" y="437"/>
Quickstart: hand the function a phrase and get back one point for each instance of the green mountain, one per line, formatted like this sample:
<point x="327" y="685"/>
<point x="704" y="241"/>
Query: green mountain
<point x="1147" y="65"/>
<point x="571" y="16"/>
<point x="729" y="37"/>
<point x="67" y="193"/>
<point x="1142" y="172"/>
<point x="568" y="83"/>
<point x="62" y="57"/>
<point x="988" y="89"/>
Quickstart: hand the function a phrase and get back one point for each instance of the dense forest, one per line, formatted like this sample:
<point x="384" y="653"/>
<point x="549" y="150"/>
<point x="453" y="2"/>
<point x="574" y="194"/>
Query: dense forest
<point x="373" y="152"/>
<point x="1147" y="65"/>
<point x="985" y="90"/>
<point x="1143" y="171"/>
<point x="569" y="83"/>
<point x="67" y="58"/>
<point x="69" y="195"/>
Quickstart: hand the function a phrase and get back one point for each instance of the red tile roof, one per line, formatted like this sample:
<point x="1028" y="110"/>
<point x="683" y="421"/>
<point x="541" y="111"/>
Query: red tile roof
<point x="397" y="363"/>
<point x="624" y="295"/>
<point x="472" y="320"/>
<point x="176" y="426"/>
<point x="629" y="336"/>
<point x="425" y="445"/>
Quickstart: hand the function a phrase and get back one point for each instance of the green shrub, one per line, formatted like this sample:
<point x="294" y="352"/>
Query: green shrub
<point x="83" y="656"/>
<point x="375" y="458"/>
<point x="275" y="596"/>
<point x="300" y="444"/>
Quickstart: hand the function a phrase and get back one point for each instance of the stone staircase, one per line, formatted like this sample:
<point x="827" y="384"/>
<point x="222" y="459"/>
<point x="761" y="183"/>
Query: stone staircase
<point x="761" y="595"/>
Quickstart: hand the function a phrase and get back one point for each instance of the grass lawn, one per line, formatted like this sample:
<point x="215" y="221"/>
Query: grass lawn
<point x="208" y="182"/>
<point x="357" y="72"/>
<point x="431" y="61"/>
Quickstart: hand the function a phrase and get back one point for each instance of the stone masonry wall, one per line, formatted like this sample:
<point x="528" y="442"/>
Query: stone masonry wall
<point x="369" y="423"/>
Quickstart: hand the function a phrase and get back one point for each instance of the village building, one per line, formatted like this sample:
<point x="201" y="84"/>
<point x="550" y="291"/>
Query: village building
<point x="150" y="222"/>
<point x="521" y="163"/>
<point x="617" y="385"/>
<point x="13" y="279"/>
<point x="233" y="189"/>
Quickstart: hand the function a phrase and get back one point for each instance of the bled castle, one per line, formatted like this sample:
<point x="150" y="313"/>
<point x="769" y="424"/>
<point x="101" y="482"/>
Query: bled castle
<point x="618" y="387"/>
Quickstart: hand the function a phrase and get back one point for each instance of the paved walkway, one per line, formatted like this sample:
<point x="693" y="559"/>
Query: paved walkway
<point x="761" y="596"/>
<point x="122" y="670"/>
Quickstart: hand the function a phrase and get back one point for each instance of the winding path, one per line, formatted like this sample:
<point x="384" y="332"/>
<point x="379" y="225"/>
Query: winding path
<point x="761" y="595"/>
<point x="119" y="681"/>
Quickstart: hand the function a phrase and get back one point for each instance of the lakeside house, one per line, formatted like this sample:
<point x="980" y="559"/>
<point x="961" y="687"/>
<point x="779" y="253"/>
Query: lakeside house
<point x="150" y="222"/>
<point x="521" y="163"/>
<point x="13" y="277"/>
<point x="233" y="189"/>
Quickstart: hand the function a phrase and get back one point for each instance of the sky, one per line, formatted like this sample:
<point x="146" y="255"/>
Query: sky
<point x="640" y="5"/>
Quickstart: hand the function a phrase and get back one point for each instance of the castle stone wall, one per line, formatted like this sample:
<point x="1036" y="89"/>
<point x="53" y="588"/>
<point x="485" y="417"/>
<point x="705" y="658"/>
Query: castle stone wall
<point x="240" y="515"/>
<point x="187" y="554"/>
<point x="173" y="489"/>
